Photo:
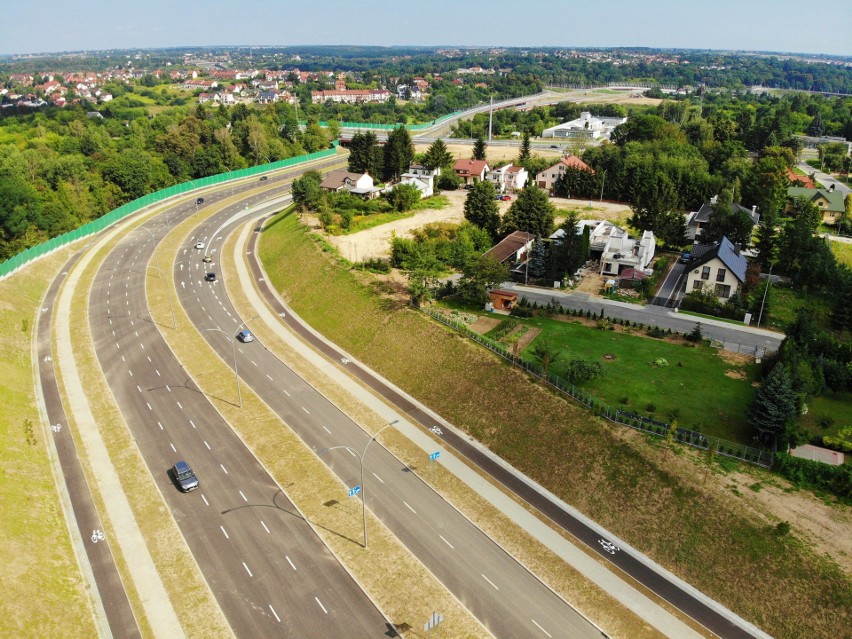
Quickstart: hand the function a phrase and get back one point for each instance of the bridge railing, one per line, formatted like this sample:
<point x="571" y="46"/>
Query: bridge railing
<point x="96" y="226"/>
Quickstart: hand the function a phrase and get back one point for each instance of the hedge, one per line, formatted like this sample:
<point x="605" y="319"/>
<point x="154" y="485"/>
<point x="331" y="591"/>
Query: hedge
<point x="834" y="479"/>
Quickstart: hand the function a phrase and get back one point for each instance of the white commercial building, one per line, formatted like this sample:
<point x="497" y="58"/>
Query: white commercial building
<point x="586" y="126"/>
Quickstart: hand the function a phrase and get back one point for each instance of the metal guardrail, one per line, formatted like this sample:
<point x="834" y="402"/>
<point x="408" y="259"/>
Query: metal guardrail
<point x="96" y="226"/>
<point x="635" y="421"/>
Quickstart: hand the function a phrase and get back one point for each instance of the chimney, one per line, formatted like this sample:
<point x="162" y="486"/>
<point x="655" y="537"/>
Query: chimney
<point x="754" y="208"/>
<point x="737" y="248"/>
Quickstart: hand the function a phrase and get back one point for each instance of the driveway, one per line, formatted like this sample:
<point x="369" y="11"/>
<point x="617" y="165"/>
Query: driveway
<point x="824" y="178"/>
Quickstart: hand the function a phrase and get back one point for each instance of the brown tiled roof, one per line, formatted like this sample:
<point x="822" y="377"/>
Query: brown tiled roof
<point x="336" y="179"/>
<point x="509" y="245"/>
<point x="470" y="167"/>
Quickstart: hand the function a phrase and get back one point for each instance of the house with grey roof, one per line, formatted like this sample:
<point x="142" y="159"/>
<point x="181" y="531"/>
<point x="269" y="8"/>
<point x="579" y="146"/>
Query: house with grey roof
<point x="697" y="220"/>
<point x="719" y="268"/>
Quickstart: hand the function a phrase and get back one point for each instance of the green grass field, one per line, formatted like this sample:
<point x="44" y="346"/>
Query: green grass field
<point x="699" y="388"/>
<point x="843" y="252"/>
<point x="718" y="541"/>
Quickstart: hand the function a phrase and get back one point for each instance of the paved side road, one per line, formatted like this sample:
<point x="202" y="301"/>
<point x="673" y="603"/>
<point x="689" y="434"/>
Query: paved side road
<point x="744" y="339"/>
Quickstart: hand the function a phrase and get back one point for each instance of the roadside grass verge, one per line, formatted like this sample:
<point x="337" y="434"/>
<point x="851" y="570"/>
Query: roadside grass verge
<point x="368" y="221"/>
<point x="699" y="388"/>
<point x="631" y="484"/>
<point x="44" y="592"/>
<point x="784" y="301"/>
<point x="194" y="604"/>
<point x="403" y="589"/>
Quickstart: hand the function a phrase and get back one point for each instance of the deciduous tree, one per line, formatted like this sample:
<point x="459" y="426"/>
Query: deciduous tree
<point x="480" y="207"/>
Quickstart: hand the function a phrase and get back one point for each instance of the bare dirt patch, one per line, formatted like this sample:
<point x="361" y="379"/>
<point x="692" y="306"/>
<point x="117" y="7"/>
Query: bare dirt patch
<point x="735" y="374"/>
<point x="527" y="338"/>
<point x="484" y="324"/>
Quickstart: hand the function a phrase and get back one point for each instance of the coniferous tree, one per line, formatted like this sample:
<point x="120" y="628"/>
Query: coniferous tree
<point x="524" y="154"/>
<point x="480" y="207"/>
<point x="774" y="406"/>
<point x="479" y="149"/>
<point x="437" y="156"/>
<point x="399" y="153"/>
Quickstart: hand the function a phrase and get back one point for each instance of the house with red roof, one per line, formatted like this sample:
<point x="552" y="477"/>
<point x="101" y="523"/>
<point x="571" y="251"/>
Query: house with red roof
<point x="471" y="171"/>
<point x="546" y="178"/>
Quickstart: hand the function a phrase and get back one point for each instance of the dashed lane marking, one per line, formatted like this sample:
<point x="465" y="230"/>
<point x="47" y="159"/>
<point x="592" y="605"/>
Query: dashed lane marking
<point x="223" y="468"/>
<point x="409" y="507"/>
<point x="264" y="527"/>
<point x="320" y="605"/>
<point x="224" y="532"/>
<point x="446" y="542"/>
<point x="275" y="614"/>
<point x="292" y="565"/>
<point x="490" y="582"/>
<point x="379" y="478"/>
<point x="247" y="570"/>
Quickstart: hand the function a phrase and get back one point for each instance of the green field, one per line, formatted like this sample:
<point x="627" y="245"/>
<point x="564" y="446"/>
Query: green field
<point x="699" y="388"/>
<point x="843" y="252"/>
<point x="719" y="541"/>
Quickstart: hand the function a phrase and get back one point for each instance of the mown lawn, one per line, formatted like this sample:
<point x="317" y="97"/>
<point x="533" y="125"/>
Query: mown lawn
<point x="699" y="388"/>
<point x="720" y="543"/>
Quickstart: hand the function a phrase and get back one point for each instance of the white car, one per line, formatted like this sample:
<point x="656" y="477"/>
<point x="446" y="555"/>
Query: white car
<point x="245" y="336"/>
<point x="199" y="245"/>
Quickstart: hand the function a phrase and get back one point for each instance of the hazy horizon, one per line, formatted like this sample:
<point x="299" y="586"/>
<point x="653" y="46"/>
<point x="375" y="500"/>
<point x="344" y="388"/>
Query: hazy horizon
<point x="759" y="26"/>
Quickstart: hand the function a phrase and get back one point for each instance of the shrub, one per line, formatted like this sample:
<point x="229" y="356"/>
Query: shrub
<point x="580" y="371"/>
<point x="834" y="479"/>
<point x="651" y="407"/>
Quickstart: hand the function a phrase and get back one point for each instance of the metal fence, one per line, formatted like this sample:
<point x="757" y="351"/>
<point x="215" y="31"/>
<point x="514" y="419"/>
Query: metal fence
<point x="98" y="225"/>
<point x="636" y="421"/>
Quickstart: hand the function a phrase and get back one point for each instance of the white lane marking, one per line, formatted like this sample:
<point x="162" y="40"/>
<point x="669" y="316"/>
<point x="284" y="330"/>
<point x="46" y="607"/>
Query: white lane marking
<point x="351" y="452"/>
<point x="192" y="423"/>
<point x="168" y="388"/>
<point x="253" y="362"/>
<point x="320" y="605"/>
<point x="540" y="628"/>
<point x="130" y="371"/>
<point x="446" y="542"/>
<point x="223" y="468"/>
<point x="245" y="499"/>
<point x="224" y="532"/>
<point x="286" y="393"/>
<point x="138" y="389"/>
<point x="409" y="507"/>
<point x="489" y="581"/>
<point x="149" y="358"/>
<point x="305" y="409"/>
<point x="247" y="569"/>
<point x="379" y="478"/>
<point x="137" y="333"/>
<point x="122" y="357"/>
<point x="268" y="377"/>
<point x="292" y="565"/>
<point x="179" y="405"/>
<point x="326" y="429"/>
<point x="149" y="406"/>
<point x="206" y="503"/>
<point x="277" y="618"/>
<point x="160" y="425"/>
<point x="158" y="372"/>
<point x="173" y="446"/>
<point x="264" y="526"/>
<point x="142" y="346"/>
<point x="208" y="445"/>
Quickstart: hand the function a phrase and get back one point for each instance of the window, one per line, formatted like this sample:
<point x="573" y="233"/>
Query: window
<point x="720" y="275"/>
<point x="705" y="273"/>
<point x="696" y="285"/>
<point x="723" y="290"/>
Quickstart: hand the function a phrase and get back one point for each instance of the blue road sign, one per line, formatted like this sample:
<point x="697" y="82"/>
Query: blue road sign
<point x="354" y="491"/>
<point x="435" y="455"/>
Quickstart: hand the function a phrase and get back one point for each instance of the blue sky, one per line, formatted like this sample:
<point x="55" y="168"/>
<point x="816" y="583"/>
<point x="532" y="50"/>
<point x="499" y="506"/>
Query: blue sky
<point x="28" y="26"/>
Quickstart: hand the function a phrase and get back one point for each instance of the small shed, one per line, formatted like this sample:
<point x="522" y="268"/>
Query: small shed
<point x="630" y="278"/>
<point x="503" y="300"/>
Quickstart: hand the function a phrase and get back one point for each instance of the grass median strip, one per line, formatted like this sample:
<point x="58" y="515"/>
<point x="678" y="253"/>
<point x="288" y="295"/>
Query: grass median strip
<point x="714" y="539"/>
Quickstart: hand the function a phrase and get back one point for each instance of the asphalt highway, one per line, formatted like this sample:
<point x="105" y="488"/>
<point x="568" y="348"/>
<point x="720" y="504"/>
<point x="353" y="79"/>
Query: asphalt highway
<point x="500" y="592"/>
<point x="270" y="573"/>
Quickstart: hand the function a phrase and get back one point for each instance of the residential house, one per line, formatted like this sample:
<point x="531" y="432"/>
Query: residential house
<point x="546" y="178"/>
<point x="828" y="201"/>
<point x="697" y="220"/>
<point x="471" y="171"/>
<point x="355" y="183"/>
<point x="422" y="178"/>
<point x="508" y="178"/>
<point x="513" y="248"/>
<point x="586" y="127"/>
<point x="799" y="180"/>
<point x="614" y="248"/>
<point x="719" y="268"/>
<point x="351" y="96"/>
<point x="266" y="97"/>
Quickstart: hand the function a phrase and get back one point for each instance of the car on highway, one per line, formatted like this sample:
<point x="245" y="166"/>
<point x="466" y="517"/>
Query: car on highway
<point x="554" y="146"/>
<point x="199" y="200"/>
<point x="210" y="277"/>
<point x="199" y="245"/>
<point x="207" y="259"/>
<point x="245" y="336"/>
<point x="184" y="476"/>
<point x="264" y="178"/>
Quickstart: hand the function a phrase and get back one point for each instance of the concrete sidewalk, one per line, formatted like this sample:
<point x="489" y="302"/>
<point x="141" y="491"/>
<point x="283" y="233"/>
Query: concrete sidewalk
<point x="641" y="605"/>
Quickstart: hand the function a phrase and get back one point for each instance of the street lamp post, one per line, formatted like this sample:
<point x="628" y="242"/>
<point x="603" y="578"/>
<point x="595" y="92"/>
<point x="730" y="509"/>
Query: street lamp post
<point x="361" y="460"/>
<point x="765" y="291"/>
<point x="234" y="354"/>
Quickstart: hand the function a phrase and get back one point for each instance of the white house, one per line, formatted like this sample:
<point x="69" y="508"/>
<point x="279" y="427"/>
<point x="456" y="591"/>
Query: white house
<point x="424" y="183"/>
<point x="718" y="268"/>
<point x="356" y="183"/>
<point x="614" y="248"/>
<point x="586" y="127"/>
<point x="508" y="178"/>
